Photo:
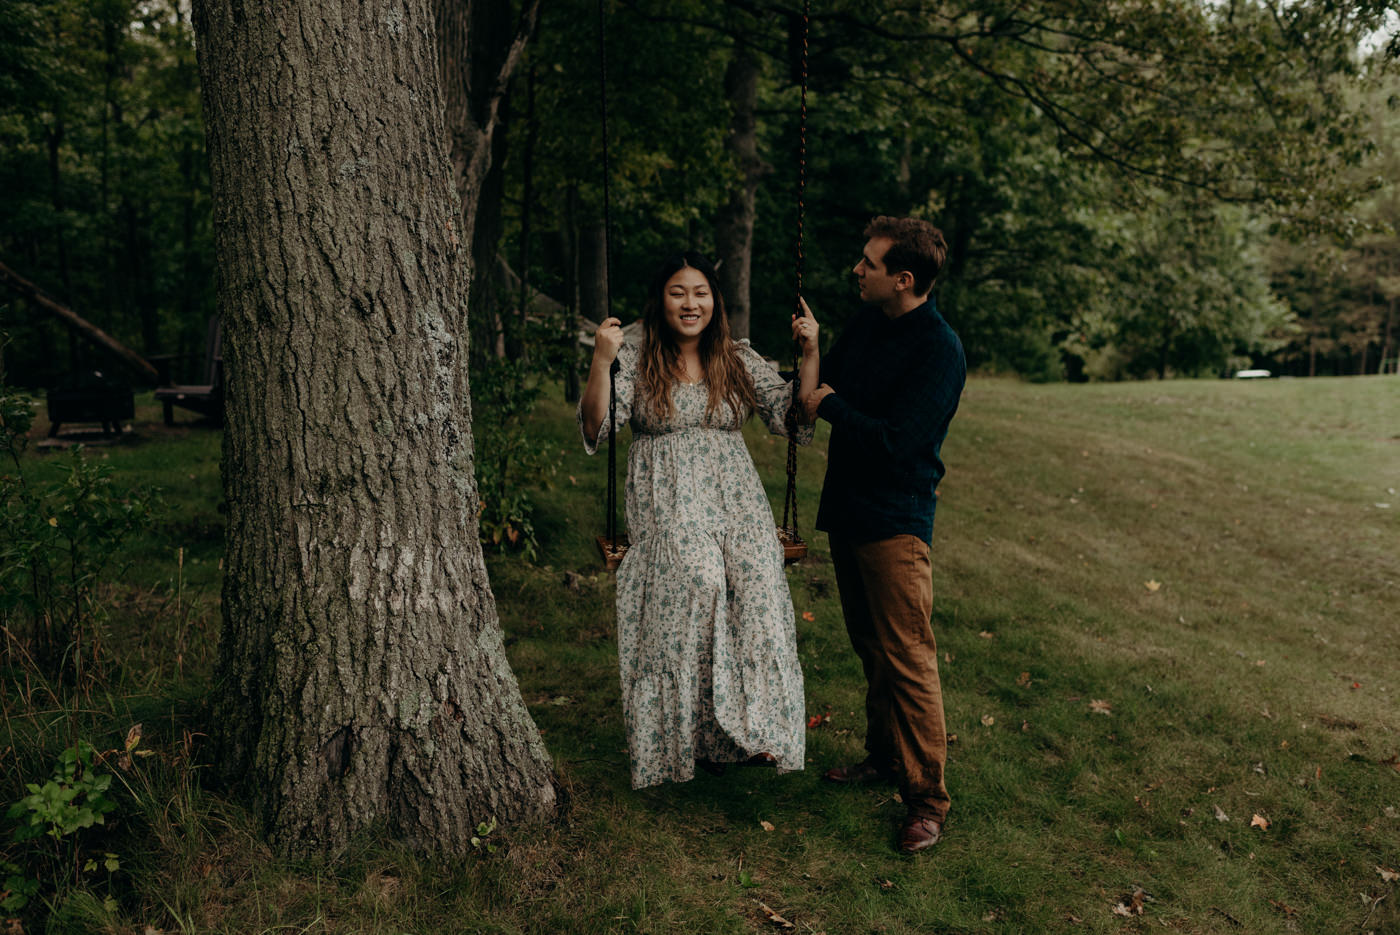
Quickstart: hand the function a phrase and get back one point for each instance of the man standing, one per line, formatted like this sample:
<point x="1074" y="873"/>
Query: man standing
<point x="890" y="386"/>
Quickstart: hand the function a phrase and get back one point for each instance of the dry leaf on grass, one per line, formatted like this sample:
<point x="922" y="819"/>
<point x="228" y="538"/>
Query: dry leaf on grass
<point x="1259" y="821"/>
<point x="1099" y="706"/>
<point x="1132" y="904"/>
<point x="1024" y="680"/>
<point x="988" y="720"/>
<point x="766" y="825"/>
<point x="1220" y="813"/>
<point x="986" y="635"/>
<point x="1388" y="875"/>
<point x="774" y="918"/>
<point x="1152" y="585"/>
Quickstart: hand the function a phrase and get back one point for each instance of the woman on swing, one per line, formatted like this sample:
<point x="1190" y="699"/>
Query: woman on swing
<point x="705" y="631"/>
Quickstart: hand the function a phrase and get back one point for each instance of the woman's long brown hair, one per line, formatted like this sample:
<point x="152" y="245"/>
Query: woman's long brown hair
<point x="726" y="379"/>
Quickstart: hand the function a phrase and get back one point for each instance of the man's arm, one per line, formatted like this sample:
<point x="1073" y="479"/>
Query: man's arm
<point x="932" y="391"/>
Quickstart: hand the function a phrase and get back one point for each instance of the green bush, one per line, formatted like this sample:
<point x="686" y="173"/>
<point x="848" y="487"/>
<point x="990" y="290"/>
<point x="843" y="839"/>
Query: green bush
<point x="508" y="458"/>
<point x="50" y="821"/>
<point x="56" y="537"/>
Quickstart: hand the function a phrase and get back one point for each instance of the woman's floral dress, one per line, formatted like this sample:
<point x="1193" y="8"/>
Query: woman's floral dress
<point x="706" y="639"/>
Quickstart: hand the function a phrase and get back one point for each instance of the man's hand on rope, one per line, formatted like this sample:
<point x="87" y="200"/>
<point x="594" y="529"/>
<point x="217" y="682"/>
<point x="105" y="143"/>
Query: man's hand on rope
<point x="805" y="329"/>
<point x="607" y="340"/>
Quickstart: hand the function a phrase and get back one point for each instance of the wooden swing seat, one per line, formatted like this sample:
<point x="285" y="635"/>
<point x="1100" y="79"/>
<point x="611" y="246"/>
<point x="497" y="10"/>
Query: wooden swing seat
<point x="794" y="549"/>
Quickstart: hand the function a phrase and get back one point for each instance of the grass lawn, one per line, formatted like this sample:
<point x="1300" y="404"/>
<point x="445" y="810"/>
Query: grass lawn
<point x="1168" y="618"/>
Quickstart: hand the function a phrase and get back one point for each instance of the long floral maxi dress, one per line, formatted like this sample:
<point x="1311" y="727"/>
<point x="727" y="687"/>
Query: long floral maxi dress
<point x="706" y="639"/>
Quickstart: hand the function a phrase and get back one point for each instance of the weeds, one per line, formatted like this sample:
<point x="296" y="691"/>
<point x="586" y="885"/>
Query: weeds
<point x="56" y="540"/>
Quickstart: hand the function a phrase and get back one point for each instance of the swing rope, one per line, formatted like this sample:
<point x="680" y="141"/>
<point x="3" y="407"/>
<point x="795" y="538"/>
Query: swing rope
<point x="607" y="279"/>
<point x="790" y="495"/>
<point x="793" y="546"/>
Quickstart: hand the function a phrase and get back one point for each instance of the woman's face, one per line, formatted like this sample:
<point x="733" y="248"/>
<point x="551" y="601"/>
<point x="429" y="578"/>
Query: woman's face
<point x="688" y="304"/>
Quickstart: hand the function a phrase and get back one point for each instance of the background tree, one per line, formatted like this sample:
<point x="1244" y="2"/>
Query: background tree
<point x="1029" y="133"/>
<point x="364" y="680"/>
<point x="103" y="179"/>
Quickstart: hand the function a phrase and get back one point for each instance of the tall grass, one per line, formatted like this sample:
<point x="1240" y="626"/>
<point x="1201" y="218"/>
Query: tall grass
<point x="1168" y="616"/>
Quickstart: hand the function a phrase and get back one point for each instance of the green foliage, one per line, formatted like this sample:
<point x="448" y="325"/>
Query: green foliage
<point x="481" y="840"/>
<point x="104" y="183"/>
<point x="1186" y="295"/>
<point x="74" y="800"/>
<point x="508" y="459"/>
<point x="56" y="540"/>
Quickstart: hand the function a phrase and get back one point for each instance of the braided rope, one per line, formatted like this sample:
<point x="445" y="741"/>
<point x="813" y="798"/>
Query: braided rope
<point x="790" y="496"/>
<point x="607" y="276"/>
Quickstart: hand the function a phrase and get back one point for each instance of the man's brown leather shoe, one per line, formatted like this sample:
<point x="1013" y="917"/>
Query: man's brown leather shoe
<point x="919" y="833"/>
<point x="857" y="774"/>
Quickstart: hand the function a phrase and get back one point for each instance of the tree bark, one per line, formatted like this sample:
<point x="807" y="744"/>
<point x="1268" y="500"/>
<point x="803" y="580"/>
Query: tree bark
<point x="735" y="223"/>
<point x="363" y="677"/>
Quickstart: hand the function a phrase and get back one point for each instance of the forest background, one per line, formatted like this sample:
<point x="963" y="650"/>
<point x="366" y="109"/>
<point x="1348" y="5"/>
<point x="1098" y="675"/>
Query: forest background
<point x="1129" y="190"/>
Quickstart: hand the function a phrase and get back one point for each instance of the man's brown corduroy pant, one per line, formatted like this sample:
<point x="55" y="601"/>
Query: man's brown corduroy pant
<point x="887" y="598"/>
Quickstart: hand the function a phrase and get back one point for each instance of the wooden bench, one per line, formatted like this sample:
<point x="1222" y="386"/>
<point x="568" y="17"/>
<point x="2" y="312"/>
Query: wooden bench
<point x="205" y="398"/>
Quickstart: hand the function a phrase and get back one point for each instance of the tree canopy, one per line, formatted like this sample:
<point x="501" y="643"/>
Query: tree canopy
<point x="1069" y="149"/>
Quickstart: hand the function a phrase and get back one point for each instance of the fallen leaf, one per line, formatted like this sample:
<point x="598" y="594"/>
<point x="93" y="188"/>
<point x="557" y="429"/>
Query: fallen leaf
<point x="1152" y="585"/>
<point x="1388" y="875"/>
<point x="986" y="635"/>
<point x="1220" y="813"/>
<point x="774" y="918"/>
<point x="988" y="720"/>
<point x="814" y="721"/>
<point x="1024" y="680"/>
<point x="1259" y="821"/>
<point x="885" y="884"/>
<point x="808" y="616"/>
<point x="1099" y="706"/>
<point x="1132" y="904"/>
<point x="768" y="825"/>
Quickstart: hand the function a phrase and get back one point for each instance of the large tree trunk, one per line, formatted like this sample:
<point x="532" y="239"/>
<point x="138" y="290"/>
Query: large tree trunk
<point x="734" y="226"/>
<point x="363" y="678"/>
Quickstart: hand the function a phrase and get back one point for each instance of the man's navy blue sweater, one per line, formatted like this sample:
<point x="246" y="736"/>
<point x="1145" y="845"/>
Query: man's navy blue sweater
<point x="897" y="383"/>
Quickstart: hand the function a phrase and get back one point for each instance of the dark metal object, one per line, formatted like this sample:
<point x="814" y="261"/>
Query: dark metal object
<point x="91" y="396"/>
